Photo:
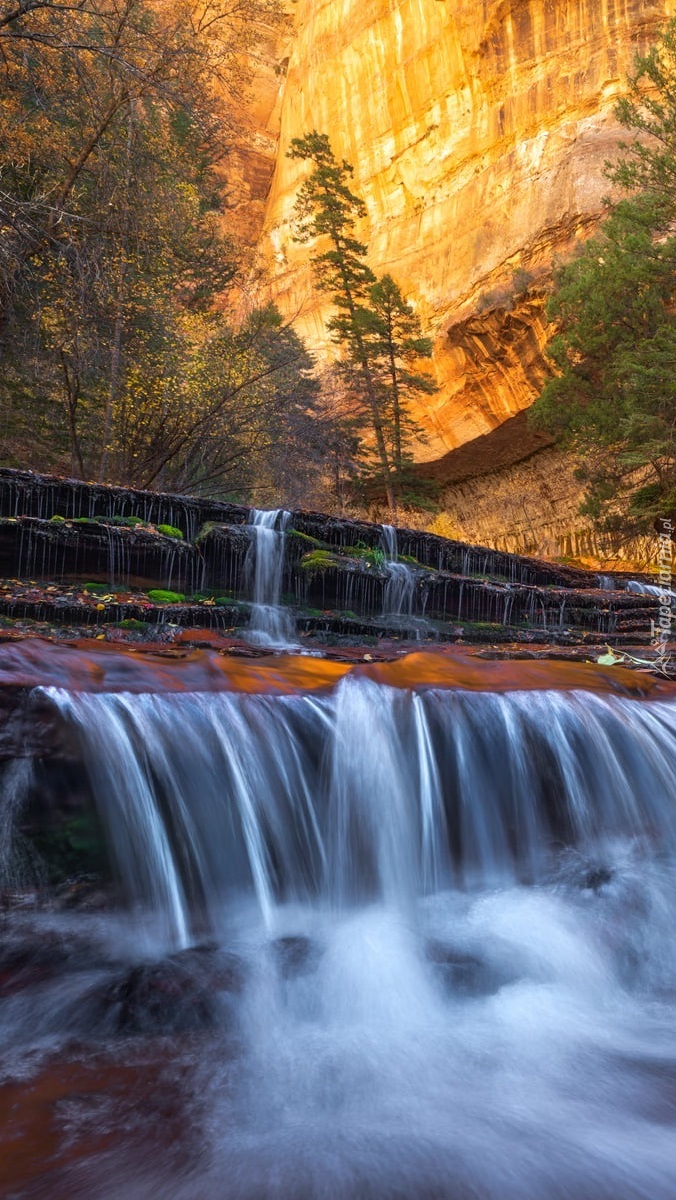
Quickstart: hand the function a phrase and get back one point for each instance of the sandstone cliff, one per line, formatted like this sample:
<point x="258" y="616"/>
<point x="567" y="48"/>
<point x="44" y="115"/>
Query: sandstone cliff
<point x="478" y="132"/>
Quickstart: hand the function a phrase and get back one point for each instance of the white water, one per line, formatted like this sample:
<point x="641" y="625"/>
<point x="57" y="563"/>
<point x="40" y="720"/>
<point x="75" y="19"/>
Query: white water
<point x="399" y="597"/>
<point x="366" y="793"/>
<point x="488" y="886"/>
<point x="648" y="589"/>
<point x="271" y="624"/>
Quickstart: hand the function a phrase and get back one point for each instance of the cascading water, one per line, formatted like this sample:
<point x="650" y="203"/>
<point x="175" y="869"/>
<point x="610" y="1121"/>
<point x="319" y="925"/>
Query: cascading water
<point x="399" y="593"/>
<point x="440" y="930"/>
<point x="648" y="589"/>
<point x="607" y="583"/>
<point x="271" y="624"/>
<point x="365" y="793"/>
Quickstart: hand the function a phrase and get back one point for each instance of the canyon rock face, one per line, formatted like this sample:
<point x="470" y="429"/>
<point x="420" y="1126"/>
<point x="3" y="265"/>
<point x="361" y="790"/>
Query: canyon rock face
<point x="478" y="133"/>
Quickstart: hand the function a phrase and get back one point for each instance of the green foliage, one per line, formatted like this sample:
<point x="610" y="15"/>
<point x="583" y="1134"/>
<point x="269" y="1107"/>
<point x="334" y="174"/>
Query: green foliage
<point x="95" y="589"/>
<point x="373" y="555"/>
<point x="170" y="531"/>
<point x="133" y="625"/>
<point x="613" y="397"/>
<point x="162" y="596"/>
<point x="119" y="361"/>
<point x="204" y="594"/>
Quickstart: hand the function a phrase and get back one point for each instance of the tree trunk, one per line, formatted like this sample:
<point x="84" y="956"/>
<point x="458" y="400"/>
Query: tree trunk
<point x="118" y="327"/>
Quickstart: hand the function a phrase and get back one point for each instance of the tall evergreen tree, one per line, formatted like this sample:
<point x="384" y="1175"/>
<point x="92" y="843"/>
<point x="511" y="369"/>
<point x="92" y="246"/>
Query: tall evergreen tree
<point x="327" y="208"/>
<point x="398" y="344"/>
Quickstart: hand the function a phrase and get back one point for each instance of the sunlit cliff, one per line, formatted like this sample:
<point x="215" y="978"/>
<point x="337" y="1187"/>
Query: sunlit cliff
<point x="478" y="133"/>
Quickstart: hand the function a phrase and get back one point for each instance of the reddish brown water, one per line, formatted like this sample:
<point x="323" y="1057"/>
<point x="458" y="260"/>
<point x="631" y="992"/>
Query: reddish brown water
<point x="79" y="667"/>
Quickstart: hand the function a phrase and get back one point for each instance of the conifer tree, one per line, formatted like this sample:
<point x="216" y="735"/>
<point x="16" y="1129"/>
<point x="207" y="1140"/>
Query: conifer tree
<point x="326" y="207"/>
<point x="398" y="344"/>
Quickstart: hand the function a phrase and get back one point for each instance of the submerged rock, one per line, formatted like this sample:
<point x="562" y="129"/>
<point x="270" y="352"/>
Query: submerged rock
<point x="465" y="974"/>
<point x="179" y="994"/>
<point x="295" y="955"/>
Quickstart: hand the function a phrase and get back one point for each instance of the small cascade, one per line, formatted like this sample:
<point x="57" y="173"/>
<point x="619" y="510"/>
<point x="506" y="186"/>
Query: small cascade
<point x="638" y="588"/>
<point x="271" y="624"/>
<point x="364" y="793"/>
<point x="399" y="593"/>
<point x="380" y="940"/>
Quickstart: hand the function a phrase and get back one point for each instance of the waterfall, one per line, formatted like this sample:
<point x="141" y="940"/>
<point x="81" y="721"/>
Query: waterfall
<point x="399" y="595"/>
<point x="365" y="792"/>
<point x="271" y="624"/>
<point x="390" y="539"/>
<point x="378" y="942"/>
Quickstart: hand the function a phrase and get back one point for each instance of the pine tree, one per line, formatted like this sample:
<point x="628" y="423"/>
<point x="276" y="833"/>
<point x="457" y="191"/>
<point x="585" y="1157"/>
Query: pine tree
<point x="326" y="207"/>
<point x="398" y="343"/>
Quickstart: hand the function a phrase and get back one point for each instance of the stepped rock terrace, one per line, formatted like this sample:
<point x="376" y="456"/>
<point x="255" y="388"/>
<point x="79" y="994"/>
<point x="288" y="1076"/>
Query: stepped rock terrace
<point x="110" y="558"/>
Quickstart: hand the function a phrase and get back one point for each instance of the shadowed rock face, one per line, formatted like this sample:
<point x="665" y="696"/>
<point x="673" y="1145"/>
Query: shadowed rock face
<point x="478" y="134"/>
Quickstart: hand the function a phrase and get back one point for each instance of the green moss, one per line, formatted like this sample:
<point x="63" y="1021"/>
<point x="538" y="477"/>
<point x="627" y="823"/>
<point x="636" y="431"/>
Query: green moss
<point x="318" y="560"/>
<point x="95" y="589"/>
<point x="307" y="540"/>
<point x="133" y="623"/>
<point x="170" y="531"/>
<point x="205" y="530"/>
<point x="161" y="596"/>
<point x="57" y="520"/>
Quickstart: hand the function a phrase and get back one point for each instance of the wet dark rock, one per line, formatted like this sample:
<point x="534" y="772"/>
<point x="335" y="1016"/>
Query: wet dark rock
<point x="31" y="956"/>
<point x="295" y="955"/>
<point x="84" y="893"/>
<point x="178" y="995"/>
<point x="596" y="878"/>
<point x="465" y="974"/>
